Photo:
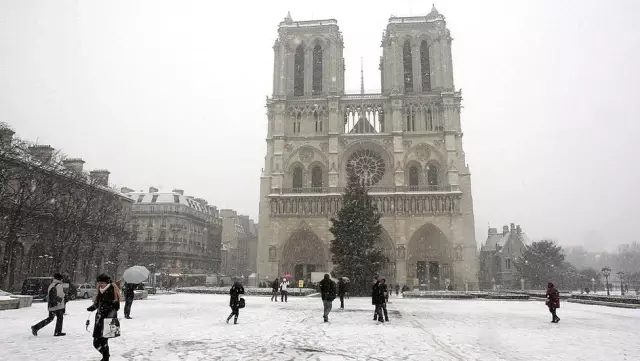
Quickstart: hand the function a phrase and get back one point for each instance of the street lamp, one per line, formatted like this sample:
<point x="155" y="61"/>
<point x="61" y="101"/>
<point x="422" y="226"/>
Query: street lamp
<point x="620" y="275"/>
<point x="606" y="272"/>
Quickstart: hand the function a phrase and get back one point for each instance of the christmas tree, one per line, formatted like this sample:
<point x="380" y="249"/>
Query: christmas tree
<point x="355" y="248"/>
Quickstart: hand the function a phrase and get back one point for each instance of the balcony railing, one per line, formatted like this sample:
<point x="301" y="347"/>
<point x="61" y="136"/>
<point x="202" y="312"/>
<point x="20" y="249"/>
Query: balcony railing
<point x="372" y="190"/>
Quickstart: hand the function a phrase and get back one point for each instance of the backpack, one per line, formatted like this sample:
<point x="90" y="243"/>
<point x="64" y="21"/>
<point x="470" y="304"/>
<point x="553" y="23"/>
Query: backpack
<point x="52" y="297"/>
<point x="241" y="303"/>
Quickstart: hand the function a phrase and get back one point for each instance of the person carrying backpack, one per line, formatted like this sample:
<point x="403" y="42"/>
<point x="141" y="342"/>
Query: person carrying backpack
<point x="235" y="302"/>
<point x="55" y="306"/>
<point x="328" y="293"/>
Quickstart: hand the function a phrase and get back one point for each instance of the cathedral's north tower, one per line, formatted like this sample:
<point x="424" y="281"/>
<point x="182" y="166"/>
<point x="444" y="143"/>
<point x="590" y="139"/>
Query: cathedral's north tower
<point x="405" y="144"/>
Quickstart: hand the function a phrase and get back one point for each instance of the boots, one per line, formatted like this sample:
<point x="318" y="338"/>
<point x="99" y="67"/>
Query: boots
<point x="235" y="320"/>
<point x="229" y="318"/>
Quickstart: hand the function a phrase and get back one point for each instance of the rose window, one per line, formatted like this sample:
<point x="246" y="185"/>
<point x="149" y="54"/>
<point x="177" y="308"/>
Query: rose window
<point x="368" y="165"/>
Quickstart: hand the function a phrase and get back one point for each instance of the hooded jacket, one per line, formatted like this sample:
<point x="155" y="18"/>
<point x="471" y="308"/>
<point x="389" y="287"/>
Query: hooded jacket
<point x="55" y="290"/>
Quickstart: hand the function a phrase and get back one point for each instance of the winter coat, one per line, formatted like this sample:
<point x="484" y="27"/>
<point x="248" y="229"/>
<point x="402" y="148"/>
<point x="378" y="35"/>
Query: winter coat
<point x="234" y="293"/>
<point x="55" y="296"/>
<point x="275" y="285"/>
<point x="327" y="289"/>
<point x="342" y="288"/>
<point x="384" y="291"/>
<point x="377" y="295"/>
<point x="284" y="285"/>
<point x="129" y="291"/>
<point x="107" y="306"/>
<point x="553" y="297"/>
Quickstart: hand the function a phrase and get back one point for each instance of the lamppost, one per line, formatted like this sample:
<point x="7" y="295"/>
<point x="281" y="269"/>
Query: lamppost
<point x="593" y="285"/>
<point x="606" y="272"/>
<point x="620" y="275"/>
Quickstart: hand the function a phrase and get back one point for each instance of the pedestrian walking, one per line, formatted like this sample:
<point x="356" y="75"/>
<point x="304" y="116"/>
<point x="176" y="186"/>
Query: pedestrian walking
<point x="284" y="287"/>
<point x="385" y="297"/>
<point x="342" y="289"/>
<point x="107" y="303"/>
<point x="234" y="301"/>
<point x="553" y="301"/>
<point x="328" y="294"/>
<point x="274" y="289"/>
<point x="55" y="306"/>
<point x="397" y="289"/>
<point x="377" y="299"/>
<point x="129" y="296"/>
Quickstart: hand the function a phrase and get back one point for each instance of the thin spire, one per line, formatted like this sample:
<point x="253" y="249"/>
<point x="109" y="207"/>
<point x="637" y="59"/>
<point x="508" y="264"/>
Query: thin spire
<point x="361" y="76"/>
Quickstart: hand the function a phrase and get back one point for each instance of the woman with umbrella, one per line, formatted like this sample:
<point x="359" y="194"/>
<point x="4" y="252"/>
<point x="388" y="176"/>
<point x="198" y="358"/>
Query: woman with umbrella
<point x="132" y="276"/>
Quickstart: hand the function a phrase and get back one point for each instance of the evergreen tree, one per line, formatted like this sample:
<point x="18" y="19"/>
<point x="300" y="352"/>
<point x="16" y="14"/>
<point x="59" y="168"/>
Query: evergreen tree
<point x="355" y="248"/>
<point x="543" y="261"/>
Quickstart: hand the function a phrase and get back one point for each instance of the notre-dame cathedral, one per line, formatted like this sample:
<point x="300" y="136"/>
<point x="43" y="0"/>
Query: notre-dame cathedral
<point x="405" y="144"/>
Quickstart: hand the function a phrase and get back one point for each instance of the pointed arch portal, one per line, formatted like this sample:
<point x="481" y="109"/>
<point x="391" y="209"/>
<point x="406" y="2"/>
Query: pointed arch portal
<point x="302" y="254"/>
<point x="430" y="258"/>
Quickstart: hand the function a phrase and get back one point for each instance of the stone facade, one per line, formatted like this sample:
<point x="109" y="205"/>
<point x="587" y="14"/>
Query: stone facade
<point x="239" y="244"/>
<point x="405" y="144"/>
<point x="498" y="256"/>
<point x="176" y="233"/>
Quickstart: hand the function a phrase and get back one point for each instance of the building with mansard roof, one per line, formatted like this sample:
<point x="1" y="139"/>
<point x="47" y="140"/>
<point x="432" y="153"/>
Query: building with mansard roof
<point x="405" y="143"/>
<point x="498" y="256"/>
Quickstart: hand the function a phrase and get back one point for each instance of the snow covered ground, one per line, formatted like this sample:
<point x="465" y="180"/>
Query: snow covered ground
<point x="191" y="327"/>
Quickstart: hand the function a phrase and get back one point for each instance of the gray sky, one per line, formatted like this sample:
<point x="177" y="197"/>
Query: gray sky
<point x="172" y="94"/>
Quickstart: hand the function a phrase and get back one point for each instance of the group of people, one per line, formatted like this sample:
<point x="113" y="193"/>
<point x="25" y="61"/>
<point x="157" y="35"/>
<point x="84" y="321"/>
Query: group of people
<point x="281" y="287"/>
<point x="379" y="298"/>
<point x="106" y="302"/>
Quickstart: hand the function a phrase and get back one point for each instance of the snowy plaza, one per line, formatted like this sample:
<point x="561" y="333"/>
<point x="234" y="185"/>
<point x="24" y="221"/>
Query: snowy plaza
<point x="192" y="327"/>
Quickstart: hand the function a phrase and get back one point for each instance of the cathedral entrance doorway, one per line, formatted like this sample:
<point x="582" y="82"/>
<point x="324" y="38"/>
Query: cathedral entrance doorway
<point x="430" y="259"/>
<point x="302" y="254"/>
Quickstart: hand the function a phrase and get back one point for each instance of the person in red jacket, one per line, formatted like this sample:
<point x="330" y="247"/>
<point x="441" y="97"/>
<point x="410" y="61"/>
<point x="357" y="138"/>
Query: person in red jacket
<point x="553" y="301"/>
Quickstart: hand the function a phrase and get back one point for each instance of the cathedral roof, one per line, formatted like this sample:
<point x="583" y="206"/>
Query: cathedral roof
<point x="363" y="125"/>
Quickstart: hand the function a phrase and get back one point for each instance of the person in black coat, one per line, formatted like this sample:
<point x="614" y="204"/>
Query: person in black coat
<point x="129" y="295"/>
<point x="377" y="299"/>
<point x="274" y="289"/>
<point x="342" y="289"/>
<point x="107" y="302"/>
<point x="234" y="301"/>
<point x="328" y="293"/>
<point x="385" y="297"/>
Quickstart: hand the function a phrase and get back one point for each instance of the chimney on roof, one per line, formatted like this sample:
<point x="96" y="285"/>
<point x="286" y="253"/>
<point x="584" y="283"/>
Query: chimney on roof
<point x="126" y="190"/>
<point x="153" y="190"/>
<point x="493" y="231"/>
<point x="6" y="136"/>
<point x="100" y="177"/>
<point x="513" y="227"/>
<point x="179" y="191"/>
<point x="505" y="230"/>
<point x="74" y="164"/>
<point x="201" y="201"/>
<point x="43" y="153"/>
<point x="518" y="229"/>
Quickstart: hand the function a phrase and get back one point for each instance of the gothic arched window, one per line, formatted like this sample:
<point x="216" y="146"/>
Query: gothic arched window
<point x="429" y="120"/>
<point x="317" y="118"/>
<point x="411" y="119"/>
<point x="316" y="177"/>
<point x="317" y="70"/>
<point x="297" y="177"/>
<point x="408" y="67"/>
<point x="413" y="176"/>
<point x="298" y="71"/>
<point x="432" y="177"/>
<point x="425" y="71"/>
<point x="296" y="123"/>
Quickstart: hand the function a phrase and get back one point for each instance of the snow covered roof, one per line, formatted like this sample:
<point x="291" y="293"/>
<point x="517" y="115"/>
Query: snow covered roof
<point x="495" y="241"/>
<point x="172" y="198"/>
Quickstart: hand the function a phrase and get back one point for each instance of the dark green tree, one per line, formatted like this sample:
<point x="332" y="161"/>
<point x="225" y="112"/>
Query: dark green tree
<point x="356" y="230"/>
<point x="542" y="262"/>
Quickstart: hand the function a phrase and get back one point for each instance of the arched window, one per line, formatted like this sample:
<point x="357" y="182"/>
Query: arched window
<point x="318" y="119"/>
<point x="432" y="177"/>
<point x="429" y="120"/>
<point x="411" y="119"/>
<point x="408" y="67"/>
<point x="316" y="177"/>
<point x="297" y="178"/>
<point x="425" y="71"/>
<point x="296" y="123"/>
<point x="413" y="176"/>
<point x="298" y="71"/>
<point x="317" y="70"/>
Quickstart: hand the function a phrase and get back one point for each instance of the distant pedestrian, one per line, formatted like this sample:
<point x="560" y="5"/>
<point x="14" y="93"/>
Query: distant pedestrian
<point x="342" y="290"/>
<point x="377" y="299"/>
<point x="284" y="290"/>
<point x="397" y="289"/>
<point x="55" y="306"/>
<point x="129" y="296"/>
<point x="385" y="297"/>
<point x="234" y="301"/>
<point x="107" y="303"/>
<point x="274" y="289"/>
<point x="553" y="301"/>
<point x="328" y="294"/>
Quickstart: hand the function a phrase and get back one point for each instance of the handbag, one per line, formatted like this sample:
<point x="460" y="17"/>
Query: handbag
<point x="111" y="327"/>
<point x="241" y="303"/>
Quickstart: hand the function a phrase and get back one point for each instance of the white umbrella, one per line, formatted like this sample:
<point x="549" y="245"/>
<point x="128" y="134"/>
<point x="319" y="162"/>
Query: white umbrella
<point x="135" y="274"/>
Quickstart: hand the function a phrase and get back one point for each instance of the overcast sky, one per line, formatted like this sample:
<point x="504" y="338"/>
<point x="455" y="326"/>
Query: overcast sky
<point x="172" y="93"/>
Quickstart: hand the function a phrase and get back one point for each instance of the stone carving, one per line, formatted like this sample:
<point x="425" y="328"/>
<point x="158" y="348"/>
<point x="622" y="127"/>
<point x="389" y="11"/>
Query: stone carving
<point x="452" y="165"/>
<point x="401" y="251"/>
<point x="333" y="167"/>
<point x="398" y="166"/>
<point x="422" y="152"/>
<point x="458" y="252"/>
<point x="288" y="147"/>
<point x="272" y="253"/>
<point x="343" y="143"/>
<point x="306" y="155"/>
<point x="388" y="142"/>
<point x="324" y="147"/>
<point x="406" y="144"/>
<point x="438" y="143"/>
